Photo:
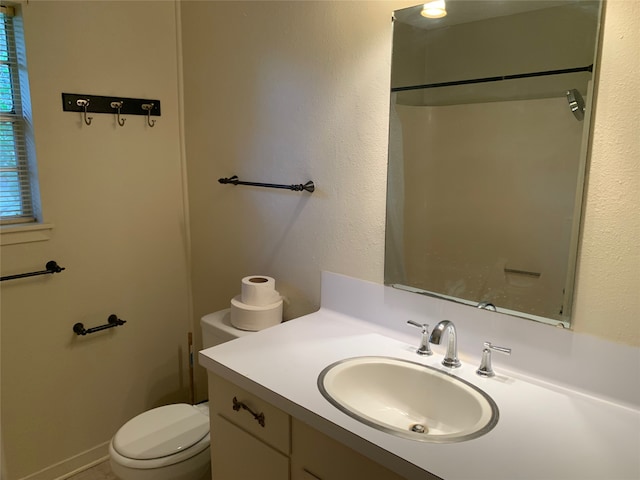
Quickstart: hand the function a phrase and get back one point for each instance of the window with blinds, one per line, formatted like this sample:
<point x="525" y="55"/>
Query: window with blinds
<point x="16" y="199"/>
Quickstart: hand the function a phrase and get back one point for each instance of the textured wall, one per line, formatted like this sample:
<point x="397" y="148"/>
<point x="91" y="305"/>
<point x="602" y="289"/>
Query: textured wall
<point x="608" y="286"/>
<point x="285" y="92"/>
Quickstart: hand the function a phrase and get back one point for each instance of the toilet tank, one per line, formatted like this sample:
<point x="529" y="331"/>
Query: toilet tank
<point x="216" y="329"/>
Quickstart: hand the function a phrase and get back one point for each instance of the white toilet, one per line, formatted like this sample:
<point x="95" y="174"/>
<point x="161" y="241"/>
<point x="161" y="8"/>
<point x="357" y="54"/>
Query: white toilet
<point x="171" y="442"/>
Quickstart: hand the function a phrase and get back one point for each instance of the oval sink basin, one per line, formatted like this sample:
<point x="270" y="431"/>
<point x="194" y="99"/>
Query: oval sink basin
<point x="408" y="399"/>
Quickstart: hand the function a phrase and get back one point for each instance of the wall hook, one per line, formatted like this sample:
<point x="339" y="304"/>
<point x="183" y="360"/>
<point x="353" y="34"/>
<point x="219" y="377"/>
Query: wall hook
<point x="118" y="105"/>
<point x="148" y="107"/>
<point x="84" y="103"/>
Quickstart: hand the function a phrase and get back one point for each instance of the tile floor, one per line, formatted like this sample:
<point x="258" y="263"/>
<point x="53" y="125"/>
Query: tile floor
<point x="102" y="471"/>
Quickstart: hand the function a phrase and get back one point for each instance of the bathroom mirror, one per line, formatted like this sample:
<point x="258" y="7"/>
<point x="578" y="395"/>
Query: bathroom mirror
<point x="488" y="143"/>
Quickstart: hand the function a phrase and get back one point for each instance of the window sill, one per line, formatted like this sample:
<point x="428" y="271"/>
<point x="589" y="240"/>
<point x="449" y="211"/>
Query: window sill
<point x="13" y="234"/>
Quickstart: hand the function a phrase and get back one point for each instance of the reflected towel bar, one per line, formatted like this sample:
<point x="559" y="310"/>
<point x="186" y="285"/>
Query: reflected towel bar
<point x="309" y="186"/>
<point x="51" y="267"/>
<point x="113" y="320"/>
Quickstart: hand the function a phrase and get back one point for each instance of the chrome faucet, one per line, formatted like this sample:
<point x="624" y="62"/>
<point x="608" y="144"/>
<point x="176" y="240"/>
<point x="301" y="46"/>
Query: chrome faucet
<point x="451" y="357"/>
<point x="487" y="306"/>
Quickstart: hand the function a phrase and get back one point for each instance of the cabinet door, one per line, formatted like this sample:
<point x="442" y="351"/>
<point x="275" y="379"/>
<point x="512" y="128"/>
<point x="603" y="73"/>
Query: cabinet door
<point x="237" y="455"/>
<point x="316" y="456"/>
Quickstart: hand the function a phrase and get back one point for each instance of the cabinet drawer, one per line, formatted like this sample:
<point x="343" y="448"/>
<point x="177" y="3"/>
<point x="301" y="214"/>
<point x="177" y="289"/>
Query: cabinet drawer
<point x="276" y="429"/>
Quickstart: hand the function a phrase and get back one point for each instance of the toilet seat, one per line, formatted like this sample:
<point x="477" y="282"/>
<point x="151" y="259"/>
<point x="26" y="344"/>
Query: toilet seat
<point x="162" y="436"/>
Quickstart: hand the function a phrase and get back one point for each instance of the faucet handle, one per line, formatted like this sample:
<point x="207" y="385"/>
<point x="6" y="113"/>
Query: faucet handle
<point x="505" y="350"/>
<point x="424" y="348"/>
<point x="485" y="369"/>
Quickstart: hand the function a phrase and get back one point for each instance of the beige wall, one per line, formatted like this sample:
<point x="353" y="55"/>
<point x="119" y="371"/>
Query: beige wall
<point x="285" y="92"/>
<point x="608" y="279"/>
<point x="115" y="197"/>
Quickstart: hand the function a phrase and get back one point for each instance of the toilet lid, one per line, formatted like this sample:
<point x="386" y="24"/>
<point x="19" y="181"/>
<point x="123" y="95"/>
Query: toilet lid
<point x="161" y="432"/>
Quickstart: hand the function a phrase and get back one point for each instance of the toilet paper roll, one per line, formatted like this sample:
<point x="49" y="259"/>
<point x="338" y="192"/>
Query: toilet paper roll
<point x="254" y="318"/>
<point x="259" y="291"/>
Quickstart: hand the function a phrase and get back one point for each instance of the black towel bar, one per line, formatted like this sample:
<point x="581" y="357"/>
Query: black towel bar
<point x="113" y="320"/>
<point x="308" y="187"/>
<point x="51" y="267"/>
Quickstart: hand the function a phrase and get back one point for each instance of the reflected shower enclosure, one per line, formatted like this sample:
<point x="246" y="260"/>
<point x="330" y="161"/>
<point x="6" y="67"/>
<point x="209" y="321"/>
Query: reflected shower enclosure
<point x="489" y="125"/>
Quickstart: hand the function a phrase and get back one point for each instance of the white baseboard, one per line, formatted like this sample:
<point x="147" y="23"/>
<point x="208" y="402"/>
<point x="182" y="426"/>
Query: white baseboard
<point x="72" y="465"/>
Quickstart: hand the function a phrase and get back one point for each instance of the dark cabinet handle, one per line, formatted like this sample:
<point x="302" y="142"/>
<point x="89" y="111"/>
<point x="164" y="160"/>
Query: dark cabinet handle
<point x="237" y="405"/>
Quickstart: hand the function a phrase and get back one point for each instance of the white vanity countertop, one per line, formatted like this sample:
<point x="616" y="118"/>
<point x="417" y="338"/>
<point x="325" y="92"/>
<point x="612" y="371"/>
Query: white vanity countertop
<point x="544" y="432"/>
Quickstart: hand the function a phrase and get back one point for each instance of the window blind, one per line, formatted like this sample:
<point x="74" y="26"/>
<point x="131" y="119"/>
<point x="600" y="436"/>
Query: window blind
<point x="16" y="202"/>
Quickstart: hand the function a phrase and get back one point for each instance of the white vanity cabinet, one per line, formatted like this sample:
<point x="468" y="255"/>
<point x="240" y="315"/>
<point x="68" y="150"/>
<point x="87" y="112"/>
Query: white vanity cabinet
<point x="284" y="448"/>
<point x="316" y="456"/>
<point x="241" y="445"/>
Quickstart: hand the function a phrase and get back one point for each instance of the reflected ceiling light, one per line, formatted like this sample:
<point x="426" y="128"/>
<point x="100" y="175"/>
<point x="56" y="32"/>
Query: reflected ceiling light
<point x="434" y="9"/>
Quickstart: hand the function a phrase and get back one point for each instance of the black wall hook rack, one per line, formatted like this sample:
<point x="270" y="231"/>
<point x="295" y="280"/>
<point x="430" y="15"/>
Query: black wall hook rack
<point x="113" y="321"/>
<point x="102" y="104"/>
<point x="308" y="187"/>
<point x="51" y="267"/>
